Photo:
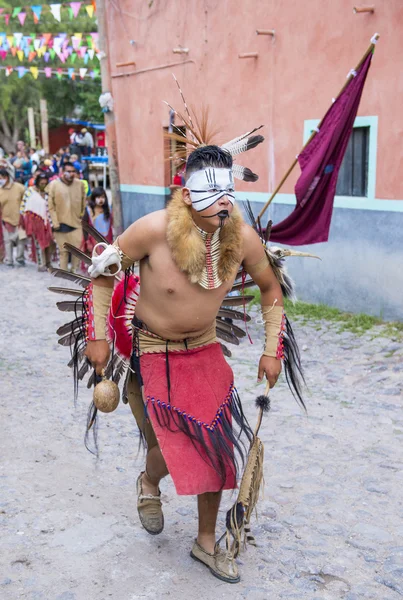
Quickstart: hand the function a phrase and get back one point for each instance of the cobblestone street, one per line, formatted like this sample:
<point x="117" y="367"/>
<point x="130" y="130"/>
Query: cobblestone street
<point x="330" y="524"/>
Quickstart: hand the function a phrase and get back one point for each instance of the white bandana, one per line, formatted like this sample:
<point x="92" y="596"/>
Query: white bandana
<point x="209" y="185"/>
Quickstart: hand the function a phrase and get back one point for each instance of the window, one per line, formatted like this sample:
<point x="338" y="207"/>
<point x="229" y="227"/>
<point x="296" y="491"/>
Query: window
<point x="353" y="174"/>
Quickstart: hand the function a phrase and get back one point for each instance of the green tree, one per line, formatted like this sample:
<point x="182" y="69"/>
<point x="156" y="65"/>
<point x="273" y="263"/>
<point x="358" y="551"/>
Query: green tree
<point x="65" y="97"/>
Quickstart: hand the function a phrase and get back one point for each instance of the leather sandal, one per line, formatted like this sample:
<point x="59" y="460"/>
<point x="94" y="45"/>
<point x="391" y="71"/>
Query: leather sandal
<point x="221" y="564"/>
<point x="150" y="509"/>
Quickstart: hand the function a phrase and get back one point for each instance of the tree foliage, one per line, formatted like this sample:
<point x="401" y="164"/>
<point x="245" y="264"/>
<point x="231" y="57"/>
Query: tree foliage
<point x="66" y="98"/>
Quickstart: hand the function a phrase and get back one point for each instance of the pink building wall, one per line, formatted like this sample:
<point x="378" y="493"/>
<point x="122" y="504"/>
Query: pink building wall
<point x="293" y="79"/>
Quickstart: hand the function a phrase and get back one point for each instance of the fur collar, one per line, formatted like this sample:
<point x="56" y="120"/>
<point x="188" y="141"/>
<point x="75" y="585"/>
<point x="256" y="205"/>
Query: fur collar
<point x="188" y="249"/>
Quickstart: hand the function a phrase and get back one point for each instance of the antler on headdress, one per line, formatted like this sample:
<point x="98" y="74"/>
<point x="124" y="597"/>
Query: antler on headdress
<point x="198" y="133"/>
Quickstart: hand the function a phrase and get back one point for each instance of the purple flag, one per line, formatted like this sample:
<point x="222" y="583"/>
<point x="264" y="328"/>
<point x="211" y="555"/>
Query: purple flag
<point x="320" y="162"/>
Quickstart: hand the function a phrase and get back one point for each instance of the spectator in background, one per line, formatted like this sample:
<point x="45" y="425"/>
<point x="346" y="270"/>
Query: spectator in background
<point x="20" y="146"/>
<point x="35" y="211"/>
<point x="77" y="165"/>
<point x="66" y="208"/>
<point x="11" y="157"/>
<point x="11" y="194"/>
<point x="87" y="142"/>
<point x="98" y="215"/>
<point x="101" y="139"/>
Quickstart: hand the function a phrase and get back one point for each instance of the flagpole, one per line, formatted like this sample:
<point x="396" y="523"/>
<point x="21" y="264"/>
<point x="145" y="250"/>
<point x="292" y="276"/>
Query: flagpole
<point x="349" y="78"/>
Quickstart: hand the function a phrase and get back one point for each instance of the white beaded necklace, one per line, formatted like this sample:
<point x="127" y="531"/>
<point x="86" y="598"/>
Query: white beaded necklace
<point x="209" y="278"/>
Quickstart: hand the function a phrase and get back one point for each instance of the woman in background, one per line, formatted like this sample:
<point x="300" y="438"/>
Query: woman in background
<point x="98" y="215"/>
<point x="37" y="223"/>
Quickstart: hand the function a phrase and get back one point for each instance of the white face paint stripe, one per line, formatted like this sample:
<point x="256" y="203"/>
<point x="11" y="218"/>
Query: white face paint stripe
<point x="202" y="183"/>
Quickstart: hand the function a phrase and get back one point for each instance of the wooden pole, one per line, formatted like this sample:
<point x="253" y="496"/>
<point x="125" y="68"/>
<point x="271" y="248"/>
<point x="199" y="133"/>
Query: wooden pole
<point x="44" y="124"/>
<point x="349" y="78"/>
<point x="110" y="121"/>
<point x="31" y="127"/>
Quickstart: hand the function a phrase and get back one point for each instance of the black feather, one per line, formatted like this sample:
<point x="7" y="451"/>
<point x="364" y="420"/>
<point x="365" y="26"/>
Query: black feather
<point x="94" y="233"/>
<point x="237" y="287"/>
<point x="70" y="305"/>
<point x="263" y="402"/>
<point x="235" y="315"/>
<point x="66" y="291"/>
<point x="70" y="327"/>
<point x="78" y="253"/>
<point x="248" y="175"/>
<point x="75" y="277"/>
<point x="227" y="337"/>
<point x="253" y="141"/>
<point x="230" y="328"/>
<point x="236" y="300"/>
<point x="225" y="351"/>
<point x="268" y="231"/>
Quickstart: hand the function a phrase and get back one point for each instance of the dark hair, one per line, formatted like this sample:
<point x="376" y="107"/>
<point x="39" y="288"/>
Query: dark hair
<point x="4" y="172"/>
<point x="68" y="164"/>
<point x="97" y="193"/>
<point x="41" y="175"/>
<point x="208" y="156"/>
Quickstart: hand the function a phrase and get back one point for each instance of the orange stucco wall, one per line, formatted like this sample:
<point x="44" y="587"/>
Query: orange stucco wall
<point x="293" y="79"/>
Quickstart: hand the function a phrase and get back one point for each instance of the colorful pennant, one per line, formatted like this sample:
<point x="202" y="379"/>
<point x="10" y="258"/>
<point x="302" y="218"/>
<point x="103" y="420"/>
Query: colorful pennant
<point x="73" y="9"/>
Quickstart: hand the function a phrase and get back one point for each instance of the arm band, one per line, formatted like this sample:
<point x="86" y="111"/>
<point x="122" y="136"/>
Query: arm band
<point x="101" y="301"/>
<point x="274" y="325"/>
<point x="125" y="260"/>
<point x="257" y="268"/>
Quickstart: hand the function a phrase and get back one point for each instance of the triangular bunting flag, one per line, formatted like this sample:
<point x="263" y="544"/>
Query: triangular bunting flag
<point x="46" y="57"/>
<point x="21" y="17"/>
<point x="73" y="57"/>
<point x="90" y="10"/>
<point x="13" y="51"/>
<point x="79" y="36"/>
<point x="75" y="8"/>
<point x="10" y="39"/>
<point x="34" y="71"/>
<point x="48" y="72"/>
<point x="46" y="37"/>
<point x="31" y="56"/>
<point x="83" y="73"/>
<point x="18" y="39"/>
<point x="71" y="73"/>
<point x="52" y="53"/>
<point x="91" y="53"/>
<point x="21" y="72"/>
<point x="37" y="44"/>
<point x="71" y="14"/>
<point x="55" y="10"/>
<point x="6" y="19"/>
<point x="59" y="73"/>
<point x="37" y="10"/>
<point x="16" y="11"/>
<point x="20" y="55"/>
<point x="9" y="70"/>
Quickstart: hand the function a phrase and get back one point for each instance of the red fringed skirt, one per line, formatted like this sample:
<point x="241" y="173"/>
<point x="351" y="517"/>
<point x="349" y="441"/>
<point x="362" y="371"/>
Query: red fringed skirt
<point x="191" y="401"/>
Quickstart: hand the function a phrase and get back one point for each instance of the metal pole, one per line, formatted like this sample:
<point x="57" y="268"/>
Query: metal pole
<point x="110" y="122"/>
<point x="31" y="127"/>
<point x="44" y="124"/>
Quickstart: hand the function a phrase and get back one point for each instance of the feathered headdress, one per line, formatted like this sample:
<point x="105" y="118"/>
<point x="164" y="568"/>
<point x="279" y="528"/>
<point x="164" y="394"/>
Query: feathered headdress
<point x="198" y="133"/>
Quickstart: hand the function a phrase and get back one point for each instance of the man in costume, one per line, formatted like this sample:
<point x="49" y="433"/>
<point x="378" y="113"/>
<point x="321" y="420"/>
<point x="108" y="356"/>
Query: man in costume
<point x="66" y="207"/>
<point x="11" y="194"/>
<point x="189" y="255"/>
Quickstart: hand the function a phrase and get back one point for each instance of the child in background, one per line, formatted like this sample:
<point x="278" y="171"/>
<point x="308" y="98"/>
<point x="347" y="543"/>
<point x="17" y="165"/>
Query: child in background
<point x="97" y="214"/>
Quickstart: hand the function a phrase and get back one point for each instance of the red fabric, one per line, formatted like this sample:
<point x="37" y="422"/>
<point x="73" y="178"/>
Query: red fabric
<point x="34" y="225"/>
<point x="201" y="380"/>
<point x="100" y="136"/>
<point x="119" y="322"/>
<point x="320" y="162"/>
